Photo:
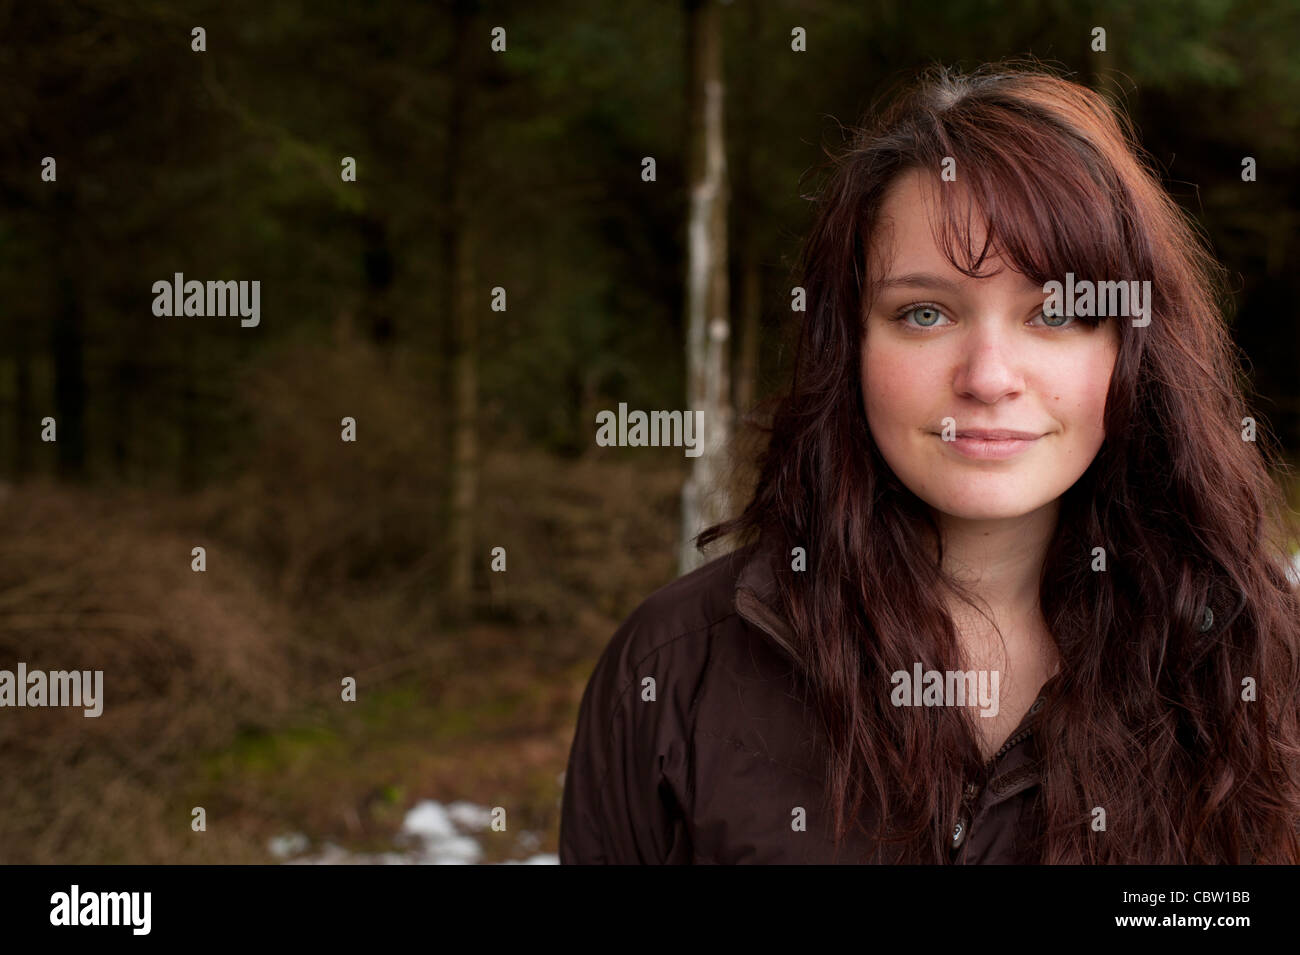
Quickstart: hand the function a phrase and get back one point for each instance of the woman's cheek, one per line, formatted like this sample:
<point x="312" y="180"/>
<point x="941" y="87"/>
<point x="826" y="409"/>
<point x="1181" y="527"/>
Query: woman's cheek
<point x="896" y="403"/>
<point x="877" y="392"/>
<point x="1095" y="386"/>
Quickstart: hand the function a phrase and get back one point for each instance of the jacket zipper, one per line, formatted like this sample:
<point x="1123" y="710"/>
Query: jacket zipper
<point x="972" y="790"/>
<point x="1016" y="738"/>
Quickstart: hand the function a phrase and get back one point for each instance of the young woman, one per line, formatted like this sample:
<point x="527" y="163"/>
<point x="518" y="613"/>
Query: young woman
<point x="1012" y="583"/>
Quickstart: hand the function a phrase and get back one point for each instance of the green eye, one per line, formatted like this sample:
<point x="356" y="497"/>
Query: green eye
<point x="1053" y="320"/>
<point x="926" y="315"/>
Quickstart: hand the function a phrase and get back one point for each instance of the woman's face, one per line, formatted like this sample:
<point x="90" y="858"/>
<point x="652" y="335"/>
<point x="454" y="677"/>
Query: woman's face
<point x="981" y="353"/>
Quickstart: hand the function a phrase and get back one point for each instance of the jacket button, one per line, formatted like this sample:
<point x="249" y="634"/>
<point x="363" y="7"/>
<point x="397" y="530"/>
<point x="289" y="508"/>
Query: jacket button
<point x="959" y="831"/>
<point x="1207" y="619"/>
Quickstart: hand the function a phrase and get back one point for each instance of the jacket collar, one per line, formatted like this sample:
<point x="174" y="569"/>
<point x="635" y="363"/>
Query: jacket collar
<point x="757" y="598"/>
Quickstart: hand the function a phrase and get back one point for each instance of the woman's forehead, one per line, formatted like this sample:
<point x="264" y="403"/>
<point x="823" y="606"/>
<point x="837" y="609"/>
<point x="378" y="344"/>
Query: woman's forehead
<point x="911" y="219"/>
<point x="906" y="242"/>
<point x="923" y="223"/>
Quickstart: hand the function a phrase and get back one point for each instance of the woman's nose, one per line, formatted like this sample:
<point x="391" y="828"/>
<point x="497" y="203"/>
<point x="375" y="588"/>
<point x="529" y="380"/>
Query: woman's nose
<point x="987" y="363"/>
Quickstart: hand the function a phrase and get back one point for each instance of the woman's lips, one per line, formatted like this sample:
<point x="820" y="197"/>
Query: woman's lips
<point x="989" y="449"/>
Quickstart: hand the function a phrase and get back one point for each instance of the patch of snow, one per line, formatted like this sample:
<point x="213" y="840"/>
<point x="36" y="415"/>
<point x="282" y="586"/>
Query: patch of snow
<point x="543" y="859"/>
<point x="469" y="816"/>
<point x="292" y="844"/>
<point x="428" y="820"/>
<point x="431" y="834"/>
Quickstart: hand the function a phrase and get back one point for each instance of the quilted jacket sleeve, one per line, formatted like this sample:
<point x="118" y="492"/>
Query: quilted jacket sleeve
<point x="624" y="784"/>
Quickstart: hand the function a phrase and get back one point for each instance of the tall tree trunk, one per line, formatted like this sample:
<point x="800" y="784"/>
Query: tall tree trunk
<point x="464" y="302"/>
<point x="67" y="335"/>
<point x="377" y="265"/>
<point x="750" y="306"/>
<point x="123" y="391"/>
<point x="704" y="496"/>
<point x="189" y="413"/>
<point x="26" y="421"/>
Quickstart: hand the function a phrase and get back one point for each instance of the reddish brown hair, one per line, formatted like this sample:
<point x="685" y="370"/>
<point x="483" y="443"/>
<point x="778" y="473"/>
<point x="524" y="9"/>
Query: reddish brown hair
<point x="1148" y="719"/>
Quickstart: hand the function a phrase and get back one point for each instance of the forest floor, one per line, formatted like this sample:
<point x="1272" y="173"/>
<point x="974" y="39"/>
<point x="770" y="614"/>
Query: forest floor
<point x="222" y="689"/>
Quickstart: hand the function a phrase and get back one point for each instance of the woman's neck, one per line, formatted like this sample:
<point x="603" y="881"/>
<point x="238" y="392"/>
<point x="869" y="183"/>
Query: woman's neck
<point x="999" y="561"/>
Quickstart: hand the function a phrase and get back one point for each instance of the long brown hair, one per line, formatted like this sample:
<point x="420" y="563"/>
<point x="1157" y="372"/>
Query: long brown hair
<point x="1148" y="720"/>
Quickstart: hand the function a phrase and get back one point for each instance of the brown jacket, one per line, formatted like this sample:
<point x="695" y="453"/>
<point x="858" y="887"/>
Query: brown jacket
<point x="712" y="766"/>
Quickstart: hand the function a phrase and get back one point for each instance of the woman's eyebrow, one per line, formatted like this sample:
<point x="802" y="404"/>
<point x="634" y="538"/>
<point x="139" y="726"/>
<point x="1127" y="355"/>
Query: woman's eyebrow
<point x="931" y="280"/>
<point x="920" y="280"/>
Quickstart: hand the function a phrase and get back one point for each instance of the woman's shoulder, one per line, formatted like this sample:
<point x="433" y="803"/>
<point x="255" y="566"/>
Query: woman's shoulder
<point x="691" y="603"/>
<point x="683" y="700"/>
<point x="667" y="635"/>
<point x="635" y="720"/>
